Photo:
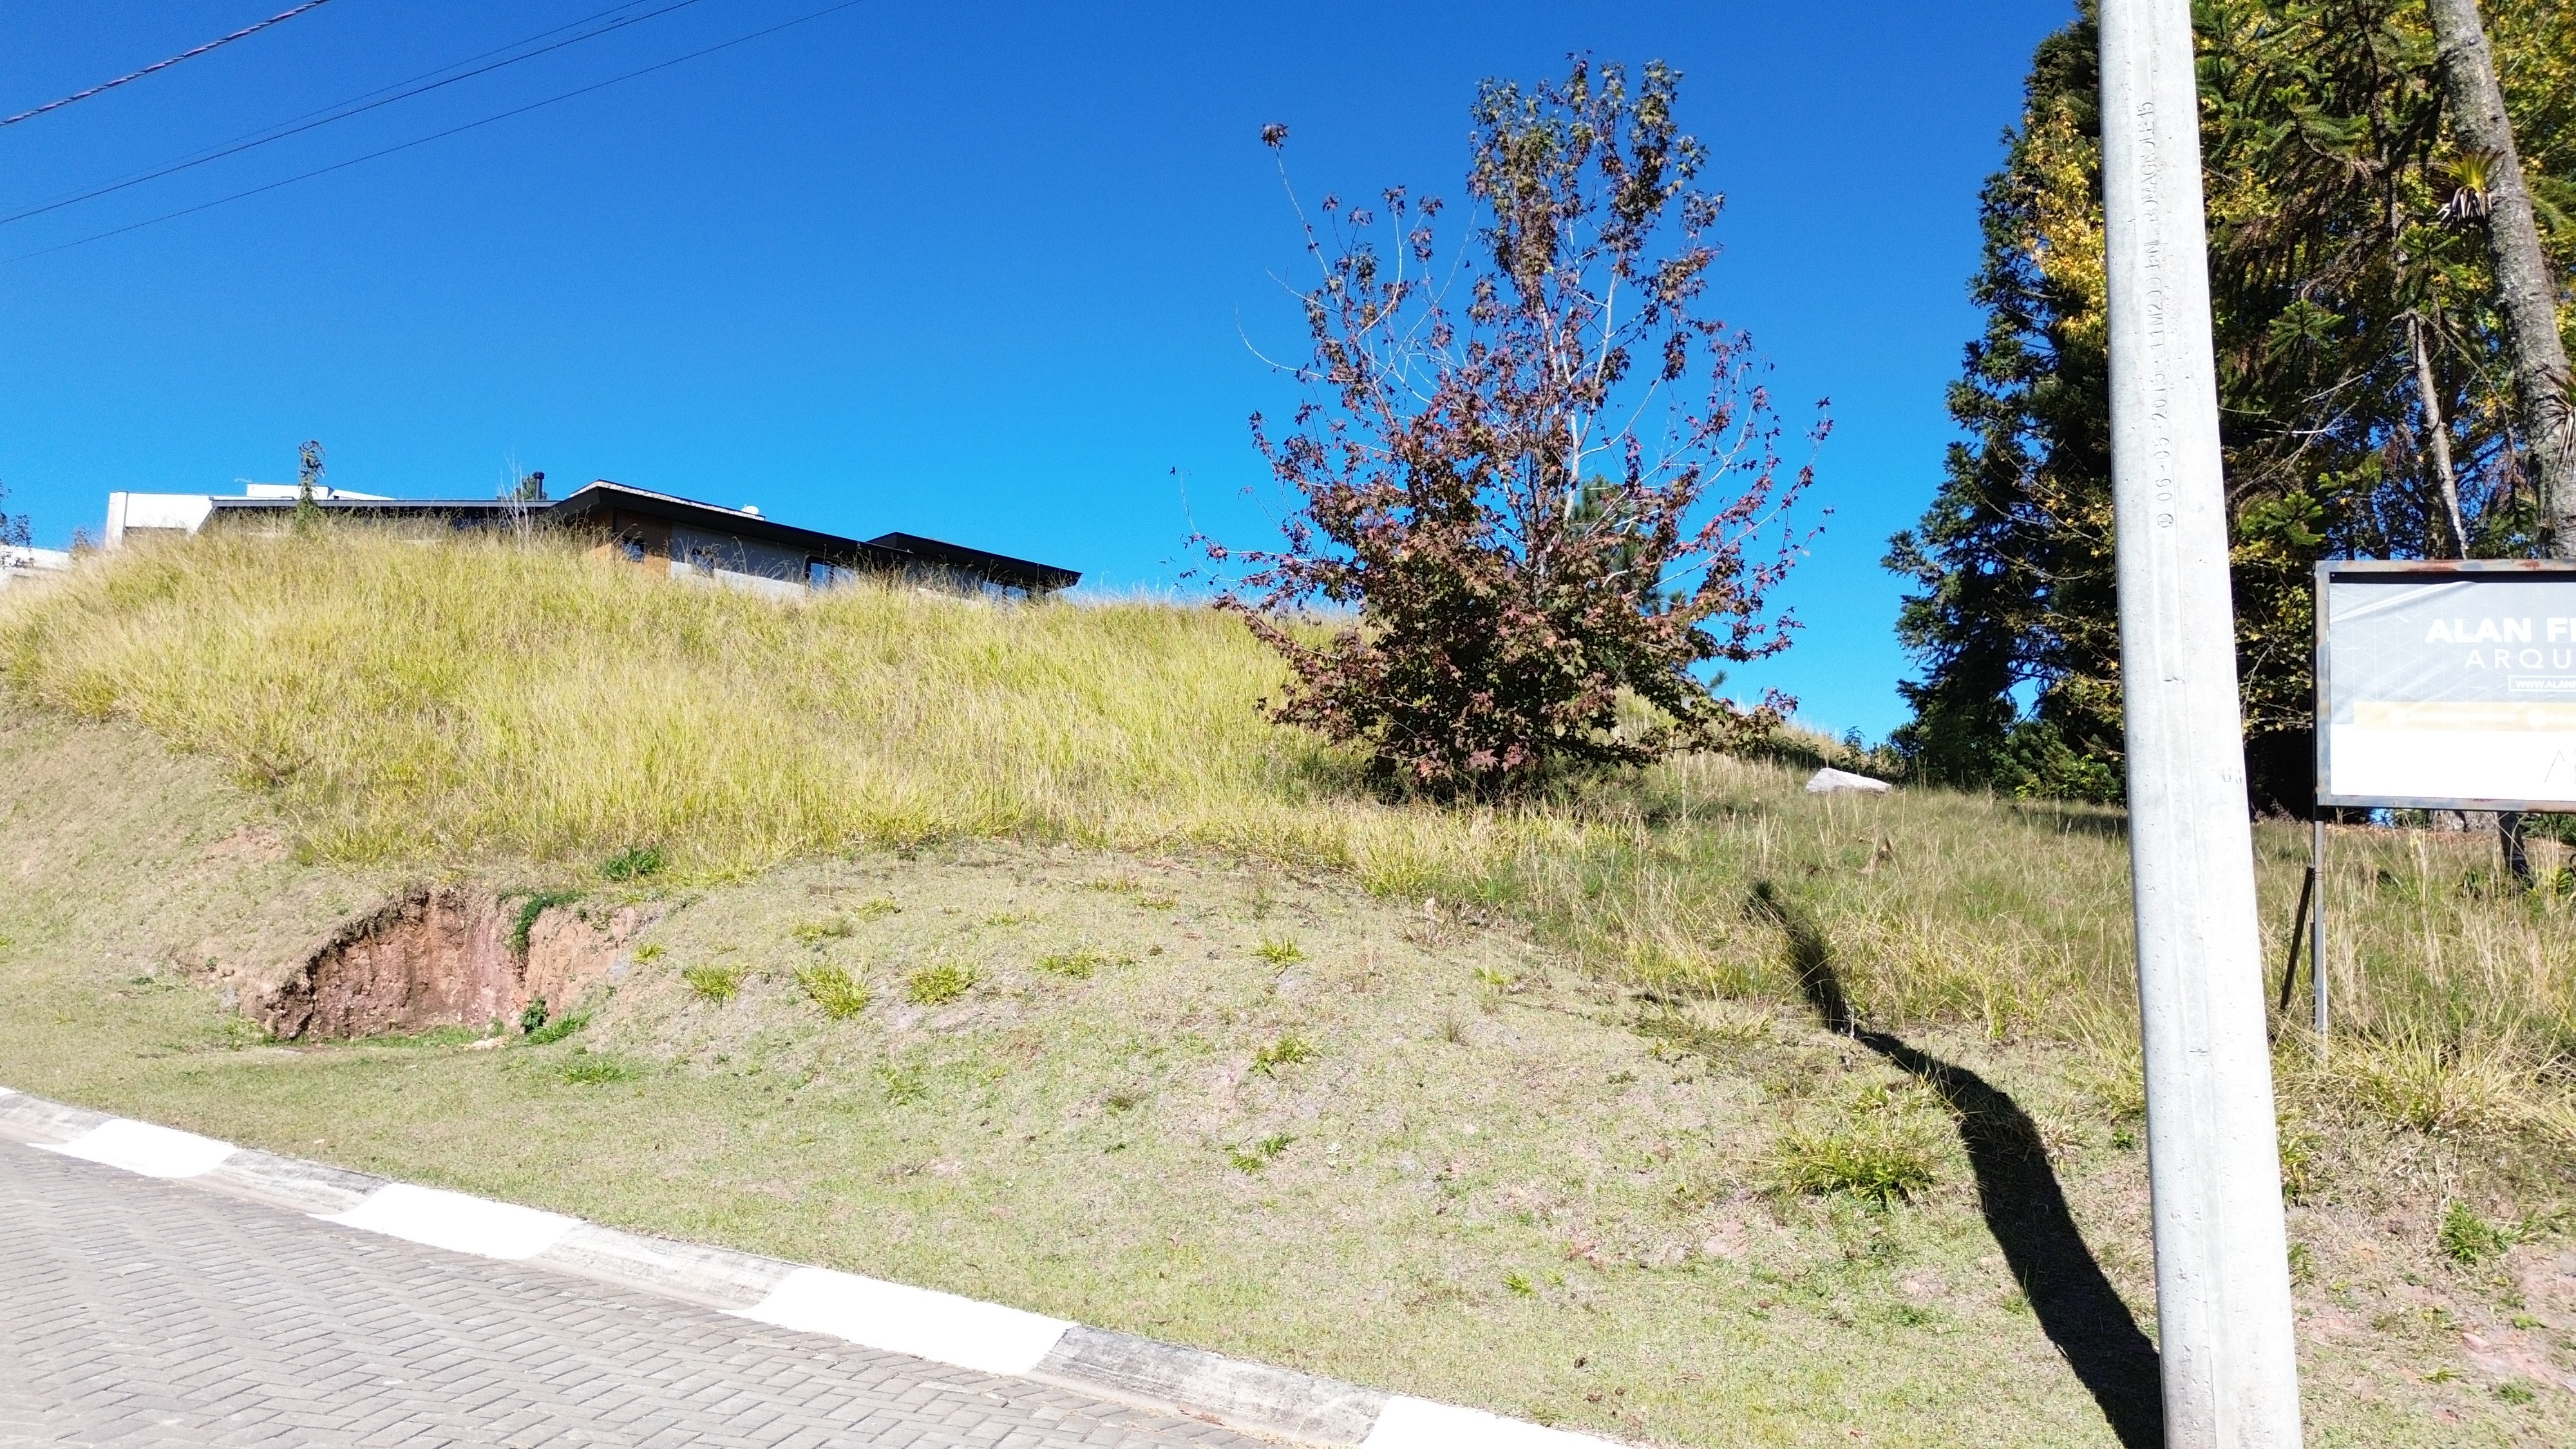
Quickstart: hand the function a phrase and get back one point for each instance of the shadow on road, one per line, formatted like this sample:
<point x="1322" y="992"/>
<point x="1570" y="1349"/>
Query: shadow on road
<point x="2017" y="1189"/>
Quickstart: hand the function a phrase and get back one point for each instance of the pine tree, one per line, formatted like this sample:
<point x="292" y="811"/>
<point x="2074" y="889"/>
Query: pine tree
<point x="2363" y="378"/>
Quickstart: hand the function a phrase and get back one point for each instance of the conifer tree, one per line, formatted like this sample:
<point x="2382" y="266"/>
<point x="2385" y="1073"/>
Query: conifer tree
<point x="2364" y="378"/>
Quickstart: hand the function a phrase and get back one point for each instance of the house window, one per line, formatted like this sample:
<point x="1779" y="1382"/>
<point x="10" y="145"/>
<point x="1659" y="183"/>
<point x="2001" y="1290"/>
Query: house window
<point x="818" y="573"/>
<point x="631" y="549"/>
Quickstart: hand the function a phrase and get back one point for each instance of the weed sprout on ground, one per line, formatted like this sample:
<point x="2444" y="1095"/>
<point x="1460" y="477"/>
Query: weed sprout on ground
<point x="1279" y="951"/>
<point x="815" y="933"/>
<point x="1261" y="1154"/>
<point x="545" y="1033"/>
<point x="939" y="984"/>
<point x="585" y="1069"/>
<point x="2467" y="1239"/>
<point x="709" y="981"/>
<point x="1873" y="1156"/>
<point x="831" y="987"/>
<point x="1081" y="963"/>
<point x="902" y="1085"/>
<point x="1289" y="1050"/>
<point x="635" y="862"/>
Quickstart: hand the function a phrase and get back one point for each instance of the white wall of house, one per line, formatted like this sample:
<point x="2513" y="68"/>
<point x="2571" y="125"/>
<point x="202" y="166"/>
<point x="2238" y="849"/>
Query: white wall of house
<point x="20" y="565"/>
<point x="164" y="512"/>
<point x="188" y="512"/>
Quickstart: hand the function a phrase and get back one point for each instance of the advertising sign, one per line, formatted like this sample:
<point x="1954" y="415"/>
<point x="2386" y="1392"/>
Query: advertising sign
<point x="2447" y="685"/>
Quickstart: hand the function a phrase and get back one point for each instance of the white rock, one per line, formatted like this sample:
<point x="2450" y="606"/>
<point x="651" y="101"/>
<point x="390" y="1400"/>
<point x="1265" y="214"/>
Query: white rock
<point x="1839" y="782"/>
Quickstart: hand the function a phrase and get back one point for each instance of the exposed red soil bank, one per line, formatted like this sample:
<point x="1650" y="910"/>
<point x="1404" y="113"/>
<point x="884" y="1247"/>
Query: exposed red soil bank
<point x="441" y="957"/>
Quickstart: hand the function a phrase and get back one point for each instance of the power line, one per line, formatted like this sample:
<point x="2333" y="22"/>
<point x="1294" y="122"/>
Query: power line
<point x="435" y="136"/>
<point x="435" y="70"/>
<point x="277" y="19"/>
<point x="340" y="115"/>
<point x="262" y="132"/>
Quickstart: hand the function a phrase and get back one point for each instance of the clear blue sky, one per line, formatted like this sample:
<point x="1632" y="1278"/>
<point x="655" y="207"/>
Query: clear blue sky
<point x="979" y="271"/>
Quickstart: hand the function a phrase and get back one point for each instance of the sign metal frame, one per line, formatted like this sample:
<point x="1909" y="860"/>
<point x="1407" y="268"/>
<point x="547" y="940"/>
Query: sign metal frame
<point x="2413" y="571"/>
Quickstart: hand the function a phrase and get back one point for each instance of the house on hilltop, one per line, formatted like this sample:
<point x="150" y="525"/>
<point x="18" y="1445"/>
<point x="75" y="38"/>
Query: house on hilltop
<point x="738" y="547"/>
<point x="20" y="563"/>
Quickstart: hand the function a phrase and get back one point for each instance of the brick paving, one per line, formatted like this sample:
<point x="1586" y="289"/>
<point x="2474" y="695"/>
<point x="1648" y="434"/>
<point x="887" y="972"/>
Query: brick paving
<point x="142" y="1312"/>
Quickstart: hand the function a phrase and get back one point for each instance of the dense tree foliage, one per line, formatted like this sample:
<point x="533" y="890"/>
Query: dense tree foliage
<point x="2366" y="393"/>
<point x="1548" y="485"/>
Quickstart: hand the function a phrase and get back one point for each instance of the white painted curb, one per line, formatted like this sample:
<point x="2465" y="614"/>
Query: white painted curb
<point x="1409" y="1423"/>
<point x="924" y="1323"/>
<point x="456" y="1222"/>
<point x="144" y="1148"/>
<point x="891" y="1317"/>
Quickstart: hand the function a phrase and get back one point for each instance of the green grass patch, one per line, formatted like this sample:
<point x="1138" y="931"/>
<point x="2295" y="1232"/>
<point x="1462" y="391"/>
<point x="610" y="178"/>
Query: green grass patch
<point x="548" y="1032"/>
<point x="1869" y="1157"/>
<point x="635" y="862"/>
<point x="2467" y="1239"/>
<point x="436" y="1036"/>
<point x="831" y="987"/>
<point x="532" y="907"/>
<point x="815" y="933"/>
<point x="1287" y="1051"/>
<point x="1081" y="963"/>
<point x="1260" y="1154"/>
<point x="587" y="1069"/>
<point x="939" y="983"/>
<point x="902" y="1085"/>
<point x="712" y="981"/>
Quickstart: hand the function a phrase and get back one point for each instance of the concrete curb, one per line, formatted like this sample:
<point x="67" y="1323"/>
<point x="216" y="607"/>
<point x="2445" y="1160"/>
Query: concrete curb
<point x="942" y="1327"/>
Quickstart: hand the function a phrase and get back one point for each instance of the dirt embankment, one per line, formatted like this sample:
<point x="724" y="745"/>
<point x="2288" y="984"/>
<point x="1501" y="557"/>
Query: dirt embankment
<point x="443" y="957"/>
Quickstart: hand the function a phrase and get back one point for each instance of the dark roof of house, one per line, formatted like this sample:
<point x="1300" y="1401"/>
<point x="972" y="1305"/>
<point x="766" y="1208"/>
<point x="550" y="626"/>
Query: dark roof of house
<point x="596" y="499"/>
<point x="1019" y="573"/>
<point x="886" y="550"/>
<point x="382" y="507"/>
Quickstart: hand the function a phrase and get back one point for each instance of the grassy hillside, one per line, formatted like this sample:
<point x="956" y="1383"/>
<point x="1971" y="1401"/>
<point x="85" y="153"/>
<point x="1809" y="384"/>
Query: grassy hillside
<point x="426" y="706"/>
<point x="518" y="712"/>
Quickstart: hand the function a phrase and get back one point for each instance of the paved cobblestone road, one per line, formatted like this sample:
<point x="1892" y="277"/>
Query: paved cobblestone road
<point x="141" y="1312"/>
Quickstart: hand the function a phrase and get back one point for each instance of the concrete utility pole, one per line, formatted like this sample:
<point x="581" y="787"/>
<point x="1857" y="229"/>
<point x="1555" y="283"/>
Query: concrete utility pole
<point x="2222" y="1252"/>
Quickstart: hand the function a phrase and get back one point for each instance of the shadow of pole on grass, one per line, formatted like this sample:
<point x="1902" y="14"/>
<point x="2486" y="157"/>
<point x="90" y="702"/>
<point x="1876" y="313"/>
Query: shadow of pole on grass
<point x="2025" y="1208"/>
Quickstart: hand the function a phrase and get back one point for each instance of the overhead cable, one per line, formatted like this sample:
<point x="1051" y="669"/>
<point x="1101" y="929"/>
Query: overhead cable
<point x="436" y="135"/>
<point x="338" y="115"/>
<point x="277" y="19"/>
<point x="436" y="70"/>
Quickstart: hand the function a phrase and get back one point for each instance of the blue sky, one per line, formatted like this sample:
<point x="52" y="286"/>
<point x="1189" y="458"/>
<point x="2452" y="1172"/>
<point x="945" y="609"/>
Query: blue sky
<point x="979" y="271"/>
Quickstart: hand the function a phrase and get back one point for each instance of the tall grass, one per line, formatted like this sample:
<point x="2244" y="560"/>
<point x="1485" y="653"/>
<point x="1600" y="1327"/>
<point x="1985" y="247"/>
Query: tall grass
<point x="438" y="703"/>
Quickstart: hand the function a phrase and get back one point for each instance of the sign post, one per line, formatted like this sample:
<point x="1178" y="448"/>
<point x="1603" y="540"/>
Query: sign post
<point x="2447" y="685"/>
<point x="2442" y="685"/>
<point x="2222" y="1266"/>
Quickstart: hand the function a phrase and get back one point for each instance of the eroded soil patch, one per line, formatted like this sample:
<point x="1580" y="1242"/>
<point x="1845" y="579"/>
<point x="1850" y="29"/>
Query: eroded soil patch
<point x="442" y="956"/>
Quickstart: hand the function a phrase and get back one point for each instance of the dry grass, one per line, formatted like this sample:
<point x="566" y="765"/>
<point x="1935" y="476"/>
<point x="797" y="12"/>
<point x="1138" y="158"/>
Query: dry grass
<point x="1427" y="1155"/>
<point x="429" y="705"/>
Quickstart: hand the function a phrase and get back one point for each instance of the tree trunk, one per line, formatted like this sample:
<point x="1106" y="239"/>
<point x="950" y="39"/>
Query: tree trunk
<point x="2437" y="436"/>
<point x="2522" y="271"/>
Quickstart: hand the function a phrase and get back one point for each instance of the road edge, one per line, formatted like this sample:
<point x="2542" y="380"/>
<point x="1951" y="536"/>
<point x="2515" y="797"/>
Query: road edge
<point x="1255" y="1398"/>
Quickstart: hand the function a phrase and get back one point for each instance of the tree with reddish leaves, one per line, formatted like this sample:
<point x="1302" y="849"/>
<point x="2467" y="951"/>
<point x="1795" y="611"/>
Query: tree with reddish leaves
<point x="1550" y="507"/>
